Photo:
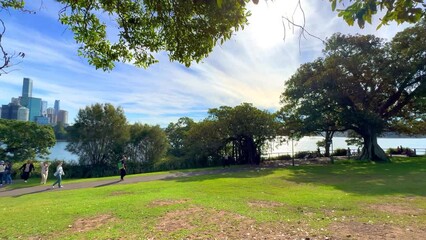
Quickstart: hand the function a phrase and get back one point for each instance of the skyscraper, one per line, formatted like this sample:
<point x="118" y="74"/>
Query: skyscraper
<point x="44" y="108"/>
<point x="63" y="117"/>
<point x="56" y="112"/>
<point x="34" y="105"/>
<point x="27" y="91"/>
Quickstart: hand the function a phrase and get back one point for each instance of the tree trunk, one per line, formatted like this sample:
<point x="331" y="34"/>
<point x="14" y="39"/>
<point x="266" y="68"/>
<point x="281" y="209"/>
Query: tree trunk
<point x="371" y="150"/>
<point x="328" y="139"/>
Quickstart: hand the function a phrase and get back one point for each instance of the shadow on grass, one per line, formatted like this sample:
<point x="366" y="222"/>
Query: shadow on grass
<point x="244" y="171"/>
<point x="402" y="176"/>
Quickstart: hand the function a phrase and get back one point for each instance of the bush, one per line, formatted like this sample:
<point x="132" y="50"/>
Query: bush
<point x="307" y="154"/>
<point x="340" y="152"/>
<point x="400" y="151"/>
<point x="280" y="157"/>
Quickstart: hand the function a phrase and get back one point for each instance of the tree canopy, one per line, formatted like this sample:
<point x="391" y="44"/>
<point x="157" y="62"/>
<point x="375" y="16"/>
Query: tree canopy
<point x="24" y="140"/>
<point x="366" y="84"/>
<point x="98" y="135"/>
<point x="186" y="30"/>
<point x="361" y="11"/>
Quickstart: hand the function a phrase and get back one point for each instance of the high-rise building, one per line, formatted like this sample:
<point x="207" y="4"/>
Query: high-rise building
<point x="16" y="101"/>
<point x="42" y="120"/>
<point x="50" y="114"/>
<point x="43" y="108"/>
<point x="56" y="111"/>
<point x="23" y="114"/>
<point x="27" y="91"/>
<point x="34" y="105"/>
<point x="10" y="111"/>
<point x="63" y="117"/>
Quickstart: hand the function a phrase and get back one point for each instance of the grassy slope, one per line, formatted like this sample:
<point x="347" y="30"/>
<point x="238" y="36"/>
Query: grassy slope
<point x="315" y="195"/>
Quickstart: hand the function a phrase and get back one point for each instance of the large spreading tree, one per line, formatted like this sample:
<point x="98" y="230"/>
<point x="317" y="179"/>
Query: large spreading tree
<point x="247" y="128"/>
<point x="369" y="85"/>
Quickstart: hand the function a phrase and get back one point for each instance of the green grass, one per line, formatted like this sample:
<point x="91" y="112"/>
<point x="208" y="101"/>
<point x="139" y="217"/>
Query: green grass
<point x="315" y="196"/>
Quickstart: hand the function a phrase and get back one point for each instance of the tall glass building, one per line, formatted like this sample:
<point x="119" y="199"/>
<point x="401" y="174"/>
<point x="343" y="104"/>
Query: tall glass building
<point x="34" y="105"/>
<point x="27" y="91"/>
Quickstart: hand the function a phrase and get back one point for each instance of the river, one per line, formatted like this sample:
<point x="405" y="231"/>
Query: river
<point x="58" y="152"/>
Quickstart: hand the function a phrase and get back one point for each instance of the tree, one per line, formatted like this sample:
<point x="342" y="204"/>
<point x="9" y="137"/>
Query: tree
<point x="60" y="132"/>
<point x="204" y="144"/>
<point x="371" y="84"/>
<point x="361" y="11"/>
<point x="25" y="140"/>
<point x="309" y="111"/>
<point x="186" y="30"/>
<point x="98" y="135"/>
<point x="147" y="145"/>
<point x="177" y="133"/>
<point x="246" y="128"/>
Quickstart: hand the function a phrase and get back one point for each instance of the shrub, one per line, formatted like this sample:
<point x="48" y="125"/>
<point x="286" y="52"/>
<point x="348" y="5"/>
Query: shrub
<point x="340" y="152"/>
<point x="401" y="151"/>
<point x="281" y="157"/>
<point x="307" y="154"/>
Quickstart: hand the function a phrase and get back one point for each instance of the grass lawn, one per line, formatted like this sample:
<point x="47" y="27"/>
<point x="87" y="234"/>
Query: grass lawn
<point x="340" y="201"/>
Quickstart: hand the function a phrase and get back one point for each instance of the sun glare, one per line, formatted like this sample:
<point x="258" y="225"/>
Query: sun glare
<point x="266" y="22"/>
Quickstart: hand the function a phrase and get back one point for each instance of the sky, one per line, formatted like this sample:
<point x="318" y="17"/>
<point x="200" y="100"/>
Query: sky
<point x="251" y="67"/>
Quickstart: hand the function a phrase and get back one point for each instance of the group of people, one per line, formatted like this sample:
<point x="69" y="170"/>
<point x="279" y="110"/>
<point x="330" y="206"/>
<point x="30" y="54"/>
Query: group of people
<point x="5" y="173"/>
<point x="28" y="167"/>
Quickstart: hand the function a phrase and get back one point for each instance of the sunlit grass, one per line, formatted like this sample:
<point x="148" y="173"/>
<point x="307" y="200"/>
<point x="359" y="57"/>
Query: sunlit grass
<point x="315" y="195"/>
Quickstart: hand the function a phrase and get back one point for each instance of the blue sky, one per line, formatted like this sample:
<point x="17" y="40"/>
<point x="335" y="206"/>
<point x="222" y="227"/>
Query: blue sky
<point x="251" y="67"/>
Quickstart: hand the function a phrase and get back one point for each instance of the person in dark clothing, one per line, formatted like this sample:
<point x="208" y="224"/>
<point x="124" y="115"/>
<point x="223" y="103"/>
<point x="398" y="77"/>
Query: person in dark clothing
<point x="122" y="168"/>
<point x="27" y="168"/>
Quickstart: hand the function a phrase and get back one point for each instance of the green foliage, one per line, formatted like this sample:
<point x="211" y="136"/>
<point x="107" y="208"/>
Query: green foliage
<point x="60" y="131"/>
<point x="362" y="84"/>
<point x="247" y="128"/>
<point x="289" y="192"/>
<point x="361" y="11"/>
<point x="24" y="140"/>
<point x="186" y="30"/>
<point x="340" y="152"/>
<point x="147" y="145"/>
<point x="307" y="154"/>
<point x="401" y="151"/>
<point x="177" y="133"/>
<point x="99" y="135"/>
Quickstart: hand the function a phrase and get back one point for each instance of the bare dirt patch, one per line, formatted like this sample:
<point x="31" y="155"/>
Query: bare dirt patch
<point x="200" y="223"/>
<point x="168" y="202"/>
<point x="356" y="230"/>
<point x="397" y="209"/>
<point x="87" y="224"/>
<point x="264" y="204"/>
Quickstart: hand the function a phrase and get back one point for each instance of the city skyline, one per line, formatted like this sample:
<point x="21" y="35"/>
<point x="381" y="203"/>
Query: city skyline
<point x="250" y="67"/>
<point x="29" y="108"/>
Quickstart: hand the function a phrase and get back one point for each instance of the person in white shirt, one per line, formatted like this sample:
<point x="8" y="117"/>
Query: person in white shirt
<point x="44" y="172"/>
<point x="58" y="174"/>
<point x="2" y="175"/>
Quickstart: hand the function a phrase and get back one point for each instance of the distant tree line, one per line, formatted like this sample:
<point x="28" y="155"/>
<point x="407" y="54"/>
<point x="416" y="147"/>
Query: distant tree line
<point x="101" y="135"/>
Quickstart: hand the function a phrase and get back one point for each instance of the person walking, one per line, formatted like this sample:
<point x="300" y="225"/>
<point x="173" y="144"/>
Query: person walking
<point x="8" y="173"/>
<point x="122" y="167"/>
<point x="26" y="169"/>
<point x="58" y="174"/>
<point x="2" y="170"/>
<point x="44" y="172"/>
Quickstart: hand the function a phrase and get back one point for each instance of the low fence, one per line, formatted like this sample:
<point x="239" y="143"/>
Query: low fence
<point x="354" y="152"/>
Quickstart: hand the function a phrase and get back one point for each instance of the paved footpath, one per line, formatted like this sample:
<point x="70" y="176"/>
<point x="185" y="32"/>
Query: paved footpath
<point x="101" y="183"/>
